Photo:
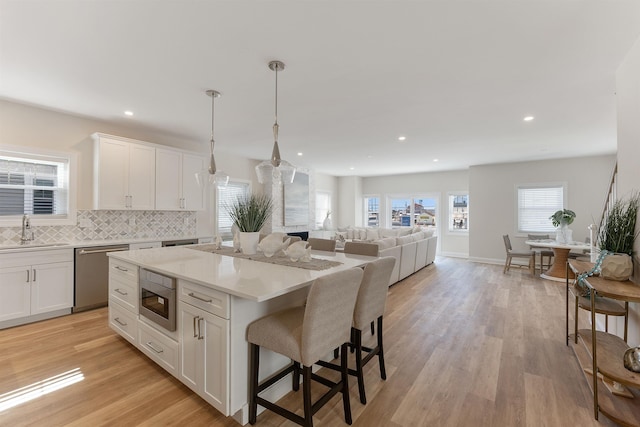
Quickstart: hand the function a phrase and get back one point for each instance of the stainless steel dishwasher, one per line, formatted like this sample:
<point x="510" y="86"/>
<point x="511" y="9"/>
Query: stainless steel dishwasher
<point x="92" y="276"/>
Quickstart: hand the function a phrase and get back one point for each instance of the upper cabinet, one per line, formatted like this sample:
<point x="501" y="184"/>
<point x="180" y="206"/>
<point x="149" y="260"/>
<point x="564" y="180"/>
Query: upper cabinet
<point x="124" y="175"/>
<point x="176" y="185"/>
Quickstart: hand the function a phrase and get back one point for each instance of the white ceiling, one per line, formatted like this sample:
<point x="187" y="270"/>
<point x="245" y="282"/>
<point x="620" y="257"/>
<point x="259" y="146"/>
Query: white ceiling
<point x="455" y="77"/>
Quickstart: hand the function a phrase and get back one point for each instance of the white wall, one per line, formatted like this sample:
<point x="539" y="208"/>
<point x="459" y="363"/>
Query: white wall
<point x="439" y="184"/>
<point x="23" y="125"/>
<point x="628" y="104"/>
<point x="350" y="203"/>
<point x="328" y="184"/>
<point x="492" y="209"/>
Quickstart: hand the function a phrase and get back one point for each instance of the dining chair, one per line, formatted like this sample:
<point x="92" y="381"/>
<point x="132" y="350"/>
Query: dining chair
<point x="515" y="254"/>
<point x="322" y="244"/>
<point x="543" y="252"/>
<point x="361" y="248"/>
<point x="370" y="305"/>
<point x="305" y="334"/>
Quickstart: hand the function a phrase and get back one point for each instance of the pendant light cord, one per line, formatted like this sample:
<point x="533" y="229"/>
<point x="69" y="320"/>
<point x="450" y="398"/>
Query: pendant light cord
<point x="213" y="97"/>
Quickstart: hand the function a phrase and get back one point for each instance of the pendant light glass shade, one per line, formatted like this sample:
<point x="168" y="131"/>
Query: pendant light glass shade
<point x="275" y="168"/>
<point x="212" y="175"/>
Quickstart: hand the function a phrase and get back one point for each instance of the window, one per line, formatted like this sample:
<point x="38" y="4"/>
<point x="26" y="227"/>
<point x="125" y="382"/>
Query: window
<point x="225" y="197"/>
<point x="413" y="210"/>
<point x="372" y="211"/>
<point x="536" y="203"/>
<point x="458" y="212"/>
<point x="323" y="205"/>
<point x="36" y="185"/>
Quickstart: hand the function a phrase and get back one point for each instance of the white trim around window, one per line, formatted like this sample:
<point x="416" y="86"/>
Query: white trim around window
<point x="457" y="214"/>
<point x="535" y="203"/>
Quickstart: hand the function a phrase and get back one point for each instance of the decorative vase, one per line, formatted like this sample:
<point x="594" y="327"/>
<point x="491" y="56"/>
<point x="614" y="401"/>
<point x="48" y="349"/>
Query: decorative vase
<point x="326" y="224"/>
<point x="564" y="235"/>
<point x="617" y="267"/>
<point x="249" y="242"/>
<point x="272" y="244"/>
<point x="631" y="359"/>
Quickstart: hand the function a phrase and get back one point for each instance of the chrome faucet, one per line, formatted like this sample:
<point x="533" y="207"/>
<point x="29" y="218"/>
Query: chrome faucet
<point x="27" y="232"/>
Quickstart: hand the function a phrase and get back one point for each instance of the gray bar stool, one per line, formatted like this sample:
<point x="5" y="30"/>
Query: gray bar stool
<point x="305" y="334"/>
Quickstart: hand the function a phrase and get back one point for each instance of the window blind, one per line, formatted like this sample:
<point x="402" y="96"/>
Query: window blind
<point x="226" y="196"/>
<point x="536" y="205"/>
<point x="33" y="186"/>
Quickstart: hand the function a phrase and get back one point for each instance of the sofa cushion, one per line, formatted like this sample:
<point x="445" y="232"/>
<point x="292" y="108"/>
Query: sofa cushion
<point x="404" y="231"/>
<point x="428" y="232"/>
<point x="350" y="233"/>
<point x="372" y="234"/>
<point x="388" y="232"/>
<point x="404" y="240"/>
<point x="386" y="243"/>
<point x="341" y="236"/>
<point x="417" y="236"/>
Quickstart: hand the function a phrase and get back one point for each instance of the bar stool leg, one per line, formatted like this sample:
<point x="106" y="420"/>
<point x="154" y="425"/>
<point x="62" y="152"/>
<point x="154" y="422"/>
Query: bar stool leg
<point x="296" y="377"/>
<point x="383" y="371"/>
<point x="254" y="363"/>
<point x="306" y="396"/>
<point x="345" y="384"/>
<point x="357" y="343"/>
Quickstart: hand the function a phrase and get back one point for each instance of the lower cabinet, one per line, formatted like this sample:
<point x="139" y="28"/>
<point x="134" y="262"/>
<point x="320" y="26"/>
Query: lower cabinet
<point x="158" y="347"/>
<point x="123" y="321"/>
<point x="33" y="284"/>
<point x="204" y="354"/>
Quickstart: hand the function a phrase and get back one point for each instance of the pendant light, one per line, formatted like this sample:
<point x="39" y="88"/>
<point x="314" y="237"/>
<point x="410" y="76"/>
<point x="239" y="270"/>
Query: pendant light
<point x="215" y="176"/>
<point x="276" y="167"/>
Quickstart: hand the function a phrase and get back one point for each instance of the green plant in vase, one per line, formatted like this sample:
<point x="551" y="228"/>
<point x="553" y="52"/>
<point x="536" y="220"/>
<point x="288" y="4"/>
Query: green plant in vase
<point x="562" y="219"/>
<point x="617" y="236"/>
<point x="250" y="213"/>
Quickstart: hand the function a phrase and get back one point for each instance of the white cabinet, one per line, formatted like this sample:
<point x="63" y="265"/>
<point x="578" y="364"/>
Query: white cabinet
<point x="124" y="174"/>
<point x="204" y="360"/>
<point x="123" y="299"/>
<point x="176" y="185"/>
<point x="34" y="283"/>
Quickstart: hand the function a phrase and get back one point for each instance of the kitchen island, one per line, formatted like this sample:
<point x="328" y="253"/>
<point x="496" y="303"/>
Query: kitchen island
<point x="216" y="297"/>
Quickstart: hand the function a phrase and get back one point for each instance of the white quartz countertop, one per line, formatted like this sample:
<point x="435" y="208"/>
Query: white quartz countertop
<point x="36" y="246"/>
<point x="253" y="280"/>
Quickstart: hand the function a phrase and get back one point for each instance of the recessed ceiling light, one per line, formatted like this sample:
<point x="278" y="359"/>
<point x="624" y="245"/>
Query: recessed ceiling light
<point x="299" y="154"/>
<point x="128" y="113"/>
<point x="435" y="160"/>
<point x="528" y="118"/>
<point x="402" y="138"/>
<point x="351" y="168"/>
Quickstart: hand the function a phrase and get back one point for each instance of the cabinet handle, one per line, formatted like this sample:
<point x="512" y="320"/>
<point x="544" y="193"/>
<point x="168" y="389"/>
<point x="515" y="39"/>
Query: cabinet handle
<point x="117" y="320"/>
<point x="34" y="274"/>
<point x="120" y="292"/>
<point x="117" y="267"/>
<point x="200" y="337"/>
<point x="195" y="334"/>
<point x="192" y="295"/>
<point x="150" y="345"/>
<point x="28" y="271"/>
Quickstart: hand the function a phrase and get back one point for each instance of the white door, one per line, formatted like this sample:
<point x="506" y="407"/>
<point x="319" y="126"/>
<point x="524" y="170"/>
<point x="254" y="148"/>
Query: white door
<point x="113" y="176"/>
<point x="216" y="369"/>
<point x="168" y="189"/>
<point x="15" y="285"/>
<point x="142" y="174"/>
<point x="192" y="193"/>
<point x="51" y="287"/>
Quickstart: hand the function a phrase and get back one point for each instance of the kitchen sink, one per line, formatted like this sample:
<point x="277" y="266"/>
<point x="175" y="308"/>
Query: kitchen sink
<point x="33" y="246"/>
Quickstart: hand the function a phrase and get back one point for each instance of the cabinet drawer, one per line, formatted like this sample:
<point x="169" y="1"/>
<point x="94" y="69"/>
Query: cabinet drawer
<point x="123" y="321"/>
<point x="208" y="299"/>
<point x="124" y="292"/>
<point x="158" y="347"/>
<point x="123" y="271"/>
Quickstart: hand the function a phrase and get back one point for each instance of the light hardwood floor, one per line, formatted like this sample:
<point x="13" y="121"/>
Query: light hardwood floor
<point x="465" y="346"/>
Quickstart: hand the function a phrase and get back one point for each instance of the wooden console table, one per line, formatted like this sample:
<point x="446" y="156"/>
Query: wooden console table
<point x="600" y="353"/>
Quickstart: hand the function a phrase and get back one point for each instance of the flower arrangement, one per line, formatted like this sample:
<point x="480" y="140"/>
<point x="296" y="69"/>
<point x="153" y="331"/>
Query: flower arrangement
<point x="562" y="217"/>
<point x="250" y="213"/>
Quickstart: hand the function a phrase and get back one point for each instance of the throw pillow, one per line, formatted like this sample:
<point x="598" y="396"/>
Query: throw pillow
<point x="372" y="234"/>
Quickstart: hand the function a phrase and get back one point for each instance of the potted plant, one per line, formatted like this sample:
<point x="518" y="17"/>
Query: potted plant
<point x="617" y="236"/>
<point x="561" y="219"/>
<point x="250" y="213"/>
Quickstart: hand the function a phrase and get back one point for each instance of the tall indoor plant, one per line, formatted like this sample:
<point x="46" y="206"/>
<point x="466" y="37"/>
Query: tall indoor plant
<point x="250" y="213"/>
<point x="617" y="236"/>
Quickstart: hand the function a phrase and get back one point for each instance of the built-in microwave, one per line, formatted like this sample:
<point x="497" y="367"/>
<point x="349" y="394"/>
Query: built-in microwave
<point x="158" y="298"/>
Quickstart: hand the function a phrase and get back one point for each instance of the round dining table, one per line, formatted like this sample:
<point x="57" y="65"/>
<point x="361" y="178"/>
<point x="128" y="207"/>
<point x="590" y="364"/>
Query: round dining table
<point x="558" y="269"/>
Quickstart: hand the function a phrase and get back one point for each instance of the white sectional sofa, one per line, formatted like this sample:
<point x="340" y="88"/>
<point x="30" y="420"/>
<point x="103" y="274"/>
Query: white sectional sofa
<point x="413" y="250"/>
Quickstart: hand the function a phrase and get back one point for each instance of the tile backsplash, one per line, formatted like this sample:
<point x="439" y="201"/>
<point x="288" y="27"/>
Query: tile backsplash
<point x="111" y="225"/>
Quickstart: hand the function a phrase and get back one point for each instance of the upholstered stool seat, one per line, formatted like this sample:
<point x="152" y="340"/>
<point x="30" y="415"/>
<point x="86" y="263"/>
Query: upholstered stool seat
<point x="370" y="305"/>
<point x="305" y="334"/>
